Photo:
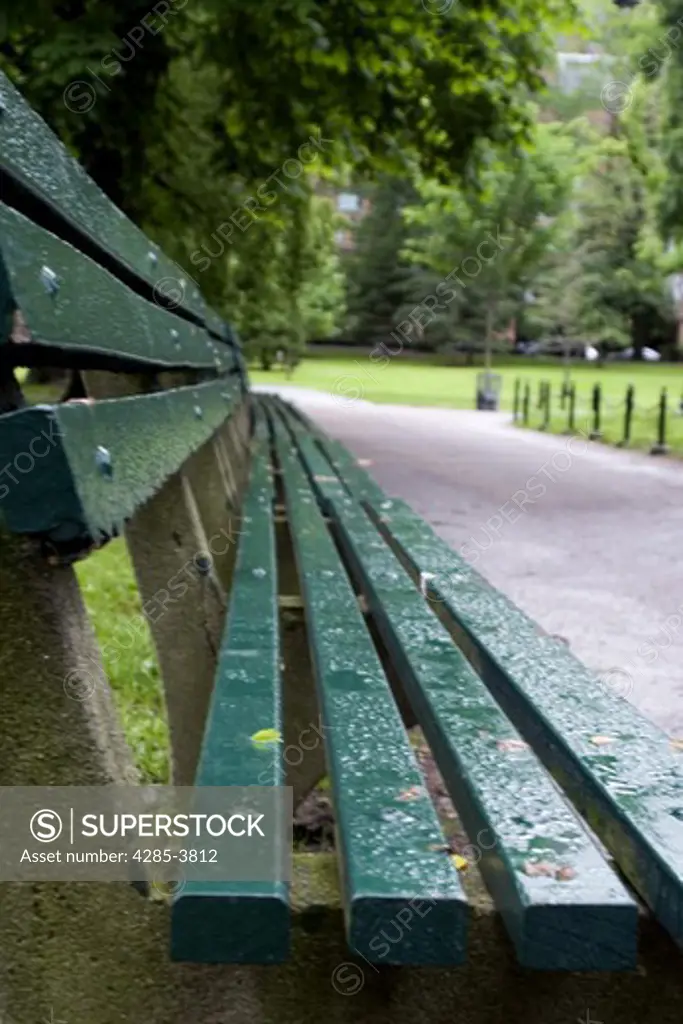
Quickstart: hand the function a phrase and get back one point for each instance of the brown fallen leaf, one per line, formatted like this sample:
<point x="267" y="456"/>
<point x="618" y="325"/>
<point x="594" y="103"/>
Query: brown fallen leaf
<point x="545" y="869"/>
<point x="539" y="867"/>
<point x="676" y="744"/>
<point x="413" y="793"/>
<point x="438" y="848"/>
<point x="512" y="745"/>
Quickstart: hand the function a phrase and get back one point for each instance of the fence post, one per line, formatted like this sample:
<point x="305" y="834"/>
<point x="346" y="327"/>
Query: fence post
<point x="565" y="392"/>
<point x="541" y="394"/>
<point x="661" y="447"/>
<point x="628" y="416"/>
<point x="525" y="404"/>
<point x="545" y="423"/>
<point x="515" y="401"/>
<point x="571" y="412"/>
<point x="596" y="433"/>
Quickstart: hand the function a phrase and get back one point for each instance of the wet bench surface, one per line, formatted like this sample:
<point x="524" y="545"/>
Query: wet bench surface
<point x="561" y="900"/>
<point x="620" y="772"/>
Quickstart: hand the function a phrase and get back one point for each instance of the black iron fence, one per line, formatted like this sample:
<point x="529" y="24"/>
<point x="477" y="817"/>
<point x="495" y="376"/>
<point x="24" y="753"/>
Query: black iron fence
<point x="657" y="426"/>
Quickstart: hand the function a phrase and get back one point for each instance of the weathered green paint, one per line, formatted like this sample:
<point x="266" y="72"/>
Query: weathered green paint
<point x="78" y="470"/>
<point x="562" y="905"/>
<point x="240" y="922"/>
<point x="33" y="157"/>
<point x="394" y="867"/>
<point x="621" y="772"/>
<point x="85" y="311"/>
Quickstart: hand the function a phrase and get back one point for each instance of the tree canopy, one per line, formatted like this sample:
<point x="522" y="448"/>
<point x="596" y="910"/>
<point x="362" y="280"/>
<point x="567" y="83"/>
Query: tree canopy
<point x="213" y="122"/>
<point x="224" y="126"/>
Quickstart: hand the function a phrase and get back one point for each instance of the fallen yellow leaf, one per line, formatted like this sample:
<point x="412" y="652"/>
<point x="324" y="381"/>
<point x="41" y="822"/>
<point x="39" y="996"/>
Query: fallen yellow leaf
<point x="266" y="736"/>
<point x="461" y="863"/>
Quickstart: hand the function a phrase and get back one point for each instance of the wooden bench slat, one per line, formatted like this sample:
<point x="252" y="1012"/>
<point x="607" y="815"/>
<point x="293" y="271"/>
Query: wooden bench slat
<point x="80" y="469"/>
<point x="391" y="842"/>
<point x="240" y="922"/>
<point x="32" y="157"/>
<point x="354" y="478"/>
<point x="622" y="773"/>
<point x="69" y="303"/>
<point x="563" y="907"/>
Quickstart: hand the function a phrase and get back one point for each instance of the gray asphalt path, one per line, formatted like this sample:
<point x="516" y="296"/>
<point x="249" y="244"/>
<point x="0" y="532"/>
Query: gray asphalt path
<point x="586" y="539"/>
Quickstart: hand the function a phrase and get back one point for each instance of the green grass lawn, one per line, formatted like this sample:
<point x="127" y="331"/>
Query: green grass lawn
<point x="417" y="382"/>
<point x="113" y="603"/>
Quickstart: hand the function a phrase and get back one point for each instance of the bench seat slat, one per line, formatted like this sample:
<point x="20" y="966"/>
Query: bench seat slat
<point x="240" y="922"/>
<point x="80" y="469"/>
<point x="354" y="478"/>
<point x="620" y="771"/>
<point x="563" y="907"/>
<point x="391" y="843"/>
<point x="85" y="312"/>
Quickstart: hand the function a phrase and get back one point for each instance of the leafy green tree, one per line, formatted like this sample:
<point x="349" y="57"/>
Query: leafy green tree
<point x="379" y="275"/>
<point x="605" y="280"/>
<point x="196" y="115"/>
<point x="481" y="244"/>
<point x="300" y="291"/>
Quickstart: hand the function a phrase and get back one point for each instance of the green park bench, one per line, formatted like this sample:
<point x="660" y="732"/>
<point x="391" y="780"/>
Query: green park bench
<point x="331" y="605"/>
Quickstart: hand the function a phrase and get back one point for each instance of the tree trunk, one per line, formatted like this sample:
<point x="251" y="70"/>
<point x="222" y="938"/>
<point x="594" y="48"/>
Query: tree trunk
<point x="266" y="357"/>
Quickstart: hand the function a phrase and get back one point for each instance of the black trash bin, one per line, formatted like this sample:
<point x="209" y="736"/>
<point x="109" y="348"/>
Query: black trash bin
<point x="489" y="387"/>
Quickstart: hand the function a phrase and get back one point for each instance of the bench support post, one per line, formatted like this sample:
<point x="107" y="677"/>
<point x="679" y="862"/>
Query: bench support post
<point x="182" y="544"/>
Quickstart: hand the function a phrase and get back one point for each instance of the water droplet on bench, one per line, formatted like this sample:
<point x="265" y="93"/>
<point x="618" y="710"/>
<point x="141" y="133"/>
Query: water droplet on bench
<point x="103" y="461"/>
<point x="49" y="280"/>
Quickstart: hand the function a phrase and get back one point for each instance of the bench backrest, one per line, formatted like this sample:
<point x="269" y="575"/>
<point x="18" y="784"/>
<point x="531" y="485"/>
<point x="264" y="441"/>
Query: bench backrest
<point x="81" y="287"/>
<point x="150" y="439"/>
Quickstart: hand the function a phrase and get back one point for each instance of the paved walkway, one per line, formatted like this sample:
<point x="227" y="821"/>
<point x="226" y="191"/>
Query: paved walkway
<point x="588" y="540"/>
